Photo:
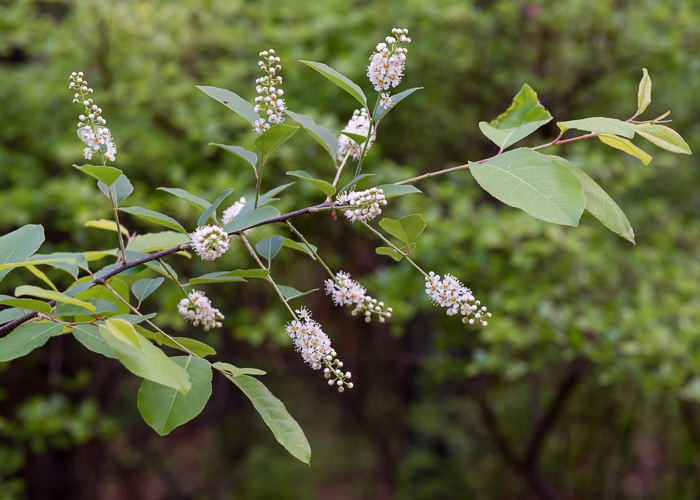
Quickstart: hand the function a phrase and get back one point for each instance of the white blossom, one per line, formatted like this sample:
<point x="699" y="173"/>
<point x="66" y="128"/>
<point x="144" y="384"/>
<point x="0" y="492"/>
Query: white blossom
<point x="387" y="64"/>
<point x="315" y="348"/>
<point x="457" y="298"/>
<point x="347" y="292"/>
<point x="231" y="212"/>
<point x="269" y="99"/>
<point x="197" y="309"/>
<point x="91" y="127"/>
<point x="362" y="205"/>
<point x="359" y="124"/>
<point x="210" y="242"/>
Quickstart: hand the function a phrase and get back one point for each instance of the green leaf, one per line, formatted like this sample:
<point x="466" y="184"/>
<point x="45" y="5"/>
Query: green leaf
<point x="100" y="292"/>
<point x="664" y="137"/>
<point x="107" y="175"/>
<point x="249" y="219"/>
<point x="599" y="203"/>
<point x="193" y="200"/>
<point x="353" y="182"/>
<point x="600" y="125"/>
<point x="164" y="408"/>
<point x="644" y="93"/>
<point x="341" y="81"/>
<point x="301" y="247"/>
<point x="267" y="197"/>
<point x="19" y="245"/>
<point x="121" y="188"/>
<point x="292" y="293"/>
<point x="286" y="430"/>
<point x="324" y="186"/>
<point x="10" y="314"/>
<point x="107" y="225"/>
<point x="359" y="139"/>
<point x="35" y="291"/>
<point x="180" y="343"/>
<point x="382" y="111"/>
<point x="533" y="182"/>
<point x="391" y="190"/>
<point x="141" y="357"/>
<point x="156" y="217"/>
<point x="210" y="209"/>
<point x="215" y="277"/>
<point x="55" y="261"/>
<point x="231" y="101"/>
<point x="40" y="274"/>
<point x="406" y="229"/>
<point x="27" y="337"/>
<point x="390" y="252"/>
<point x="246" y="155"/>
<point x="234" y="371"/>
<point x="269" y="247"/>
<point x="522" y="118"/>
<point x="143" y="288"/>
<point x="153" y="242"/>
<point x="273" y="138"/>
<point x="29" y="304"/>
<point x="89" y="336"/>
<point x="250" y="273"/>
<point x="135" y="319"/>
<point x="320" y="133"/>
<point x="626" y="146"/>
<point x="78" y="259"/>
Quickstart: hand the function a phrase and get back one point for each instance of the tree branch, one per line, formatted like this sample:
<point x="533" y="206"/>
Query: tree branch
<point x="8" y="327"/>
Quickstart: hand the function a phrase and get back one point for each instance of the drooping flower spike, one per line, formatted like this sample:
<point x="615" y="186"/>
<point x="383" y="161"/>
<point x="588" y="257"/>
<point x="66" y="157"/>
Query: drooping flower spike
<point x="196" y="308"/>
<point x="457" y="298"/>
<point x="315" y="348"/>
<point x="348" y="292"/>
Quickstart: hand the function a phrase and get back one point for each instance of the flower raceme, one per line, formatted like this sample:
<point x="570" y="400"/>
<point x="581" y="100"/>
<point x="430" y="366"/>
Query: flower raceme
<point x="348" y="292"/>
<point x="196" y="308"/>
<point x="315" y="348"/>
<point x="457" y="298"/>
<point x="269" y="99"/>
<point x="231" y="212"/>
<point x="362" y="205"/>
<point x="387" y="64"/>
<point x="359" y="124"/>
<point x="210" y="242"/>
<point x="91" y="127"/>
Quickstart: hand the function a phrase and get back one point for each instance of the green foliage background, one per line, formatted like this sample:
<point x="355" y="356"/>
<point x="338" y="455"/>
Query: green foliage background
<point x="581" y="303"/>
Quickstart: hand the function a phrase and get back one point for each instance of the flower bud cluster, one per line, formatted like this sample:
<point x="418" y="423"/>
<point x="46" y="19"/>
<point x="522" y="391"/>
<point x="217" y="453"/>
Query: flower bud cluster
<point x="457" y="298"/>
<point x="269" y="99"/>
<point x="91" y="129"/>
<point x="359" y="124"/>
<point x="315" y="348"/>
<point x="197" y="309"/>
<point x="362" y="205"/>
<point x="348" y="292"/>
<point x="231" y="212"/>
<point x="210" y="242"/>
<point x="386" y="65"/>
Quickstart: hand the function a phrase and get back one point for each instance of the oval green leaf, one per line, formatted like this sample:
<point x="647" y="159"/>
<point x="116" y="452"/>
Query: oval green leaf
<point x="644" y="92"/>
<point x="268" y="248"/>
<point x="107" y="175"/>
<point x="232" y="101"/>
<point x="164" y="408"/>
<point x="534" y="183"/>
<point x="320" y="133"/>
<point x="156" y="217"/>
<point x="601" y="125"/>
<point x="324" y="186"/>
<point x="249" y="219"/>
<point x="341" y="81"/>
<point x="626" y="146"/>
<point x="27" y="337"/>
<point x="273" y="138"/>
<point x="20" y="244"/>
<point x="664" y="137"/>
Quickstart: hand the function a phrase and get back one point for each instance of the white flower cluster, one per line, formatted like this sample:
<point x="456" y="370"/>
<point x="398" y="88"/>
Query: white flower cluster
<point x="386" y="65"/>
<point x="358" y="124"/>
<point x="231" y="212"/>
<point x="348" y="292"/>
<point x="210" y="242"/>
<point x="457" y="298"/>
<point x="91" y="127"/>
<point x="270" y="95"/>
<point x="197" y="309"/>
<point x="362" y="205"/>
<point x="315" y="348"/>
